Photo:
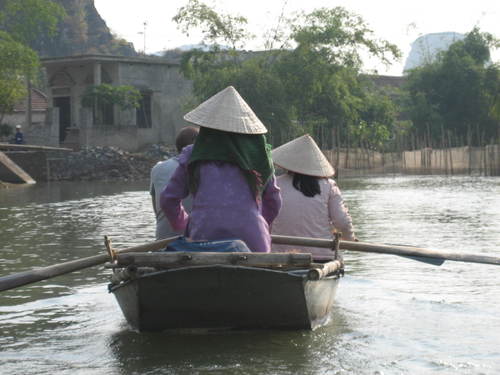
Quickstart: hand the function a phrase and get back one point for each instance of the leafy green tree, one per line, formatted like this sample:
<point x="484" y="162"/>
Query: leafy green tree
<point x="492" y="82"/>
<point x="16" y="62"/>
<point x="217" y="27"/>
<point x="30" y="21"/>
<point x="377" y="119"/>
<point x="339" y="36"/>
<point x="312" y="87"/>
<point x="322" y="73"/>
<point x="455" y="97"/>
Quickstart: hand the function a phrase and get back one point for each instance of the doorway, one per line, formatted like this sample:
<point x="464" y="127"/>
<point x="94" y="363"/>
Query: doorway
<point x="64" y="105"/>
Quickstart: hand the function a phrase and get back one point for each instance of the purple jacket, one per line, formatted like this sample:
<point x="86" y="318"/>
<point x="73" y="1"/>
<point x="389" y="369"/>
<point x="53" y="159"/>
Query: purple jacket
<point x="224" y="206"/>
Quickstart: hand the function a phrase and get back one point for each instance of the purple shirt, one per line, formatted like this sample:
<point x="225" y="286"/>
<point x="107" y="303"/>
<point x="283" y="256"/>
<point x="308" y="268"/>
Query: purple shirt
<point x="224" y="206"/>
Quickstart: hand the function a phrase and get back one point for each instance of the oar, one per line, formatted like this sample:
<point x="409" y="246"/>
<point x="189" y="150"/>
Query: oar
<point x="406" y="251"/>
<point x="433" y="261"/>
<point x="43" y="273"/>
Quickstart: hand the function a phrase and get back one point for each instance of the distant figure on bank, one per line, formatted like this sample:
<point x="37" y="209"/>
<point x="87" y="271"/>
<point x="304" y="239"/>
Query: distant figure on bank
<point x="160" y="176"/>
<point x="312" y="202"/>
<point x="19" y="136"/>
<point x="229" y="173"/>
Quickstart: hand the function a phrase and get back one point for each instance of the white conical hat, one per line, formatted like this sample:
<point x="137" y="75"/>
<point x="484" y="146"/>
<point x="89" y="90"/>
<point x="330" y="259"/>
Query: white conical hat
<point x="302" y="155"/>
<point x="226" y="111"/>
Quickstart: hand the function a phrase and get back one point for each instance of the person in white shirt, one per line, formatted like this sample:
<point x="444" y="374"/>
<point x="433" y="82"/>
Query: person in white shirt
<point x="312" y="202"/>
<point x="160" y="176"/>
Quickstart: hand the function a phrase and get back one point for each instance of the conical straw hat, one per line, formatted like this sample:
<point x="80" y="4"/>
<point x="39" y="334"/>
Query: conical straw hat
<point x="226" y="111"/>
<point x="302" y="155"/>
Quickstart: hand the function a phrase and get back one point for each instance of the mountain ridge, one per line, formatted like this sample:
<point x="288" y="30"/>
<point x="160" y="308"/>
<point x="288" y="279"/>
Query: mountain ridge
<point x="82" y="31"/>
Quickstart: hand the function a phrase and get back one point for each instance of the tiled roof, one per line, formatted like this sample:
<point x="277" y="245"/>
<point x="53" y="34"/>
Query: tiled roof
<point x="39" y="102"/>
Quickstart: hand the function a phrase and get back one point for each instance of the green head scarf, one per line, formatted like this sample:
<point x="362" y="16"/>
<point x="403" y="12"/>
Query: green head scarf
<point x="248" y="151"/>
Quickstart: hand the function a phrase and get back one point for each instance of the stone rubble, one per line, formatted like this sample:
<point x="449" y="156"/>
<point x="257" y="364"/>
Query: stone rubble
<point x="108" y="163"/>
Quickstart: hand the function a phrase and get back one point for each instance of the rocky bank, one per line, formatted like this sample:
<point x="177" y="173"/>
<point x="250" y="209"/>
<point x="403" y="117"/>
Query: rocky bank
<point x="108" y="163"/>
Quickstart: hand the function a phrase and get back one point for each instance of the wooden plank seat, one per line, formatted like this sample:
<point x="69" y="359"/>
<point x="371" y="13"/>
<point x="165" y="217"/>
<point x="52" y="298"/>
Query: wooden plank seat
<point x="163" y="260"/>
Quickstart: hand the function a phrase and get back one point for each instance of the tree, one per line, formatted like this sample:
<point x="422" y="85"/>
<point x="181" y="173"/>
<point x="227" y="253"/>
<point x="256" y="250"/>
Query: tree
<point x="216" y="27"/>
<point x="322" y="73"/>
<point x="16" y="62"/>
<point x="31" y="21"/>
<point x="311" y="87"/>
<point x="339" y="35"/>
<point x="377" y="120"/>
<point x="455" y="96"/>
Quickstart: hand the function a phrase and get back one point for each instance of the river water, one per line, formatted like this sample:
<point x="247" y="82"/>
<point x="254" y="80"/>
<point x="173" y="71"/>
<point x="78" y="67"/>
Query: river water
<point x="392" y="315"/>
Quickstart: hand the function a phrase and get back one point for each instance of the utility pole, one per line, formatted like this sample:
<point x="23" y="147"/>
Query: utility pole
<point x="145" y="24"/>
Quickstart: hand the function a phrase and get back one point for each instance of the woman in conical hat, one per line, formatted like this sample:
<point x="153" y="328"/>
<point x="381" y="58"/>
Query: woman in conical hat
<point x="229" y="173"/>
<point x="312" y="202"/>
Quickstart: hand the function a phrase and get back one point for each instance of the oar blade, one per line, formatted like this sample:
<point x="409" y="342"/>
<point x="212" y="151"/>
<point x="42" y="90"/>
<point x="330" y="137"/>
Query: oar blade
<point x="427" y="260"/>
<point x="420" y="258"/>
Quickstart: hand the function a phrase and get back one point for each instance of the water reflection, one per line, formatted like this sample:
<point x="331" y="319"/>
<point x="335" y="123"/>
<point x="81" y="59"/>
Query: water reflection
<point x="230" y="352"/>
<point x="51" y="192"/>
<point x="64" y="222"/>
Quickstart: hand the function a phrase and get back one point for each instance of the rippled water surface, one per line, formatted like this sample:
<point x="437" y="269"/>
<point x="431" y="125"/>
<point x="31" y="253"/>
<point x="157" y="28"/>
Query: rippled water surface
<point x="392" y="316"/>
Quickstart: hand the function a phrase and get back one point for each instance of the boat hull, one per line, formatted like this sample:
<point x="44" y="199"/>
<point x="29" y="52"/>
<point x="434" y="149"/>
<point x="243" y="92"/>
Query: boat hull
<point x="220" y="296"/>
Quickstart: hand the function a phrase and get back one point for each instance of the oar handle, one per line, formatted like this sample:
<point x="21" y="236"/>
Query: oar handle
<point x="386" y="249"/>
<point x="43" y="273"/>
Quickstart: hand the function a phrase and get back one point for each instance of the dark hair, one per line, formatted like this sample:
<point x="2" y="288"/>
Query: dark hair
<point x="307" y="185"/>
<point x="185" y="137"/>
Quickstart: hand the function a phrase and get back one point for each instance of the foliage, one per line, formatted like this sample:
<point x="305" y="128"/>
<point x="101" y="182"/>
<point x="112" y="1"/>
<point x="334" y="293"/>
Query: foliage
<point x="16" y="63"/>
<point x="376" y="125"/>
<point x="29" y="20"/>
<point x="216" y="27"/>
<point x="102" y="99"/>
<point x="24" y="22"/>
<point x="125" y="97"/>
<point x="78" y="28"/>
<point x="457" y="96"/>
<point x="314" y="87"/>
<point x="339" y="35"/>
<point x="5" y="130"/>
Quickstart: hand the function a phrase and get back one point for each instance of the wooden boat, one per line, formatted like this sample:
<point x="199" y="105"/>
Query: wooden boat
<point x="161" y="290"/>
<point x="164" y="290"/>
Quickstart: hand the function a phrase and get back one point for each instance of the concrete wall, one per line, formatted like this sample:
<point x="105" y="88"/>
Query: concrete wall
<point x="32" y="162"/>
<point x="359" y="160"/>
<point x="459" y="160"/>
<point x="128" y="138"/>
<point x="20" y="118"/>
<point x="70" y="80"/>
<point x="44" y="129"/>
<point x="168" y="88"/>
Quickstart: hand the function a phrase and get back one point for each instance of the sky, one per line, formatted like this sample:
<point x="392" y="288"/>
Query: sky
<point x="399" y="21"/>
